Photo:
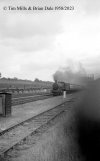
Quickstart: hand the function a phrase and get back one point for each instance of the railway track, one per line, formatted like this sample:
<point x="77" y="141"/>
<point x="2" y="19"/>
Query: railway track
<point x="14" y="136"/>
<point x="28" y="94"/>
<point x="26" y="99"/>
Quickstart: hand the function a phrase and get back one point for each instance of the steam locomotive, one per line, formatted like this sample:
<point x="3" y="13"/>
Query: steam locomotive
<point x="59" y="87"/>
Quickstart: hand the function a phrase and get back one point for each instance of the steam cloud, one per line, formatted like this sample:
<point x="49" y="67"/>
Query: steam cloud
<point x="73" y="73"/>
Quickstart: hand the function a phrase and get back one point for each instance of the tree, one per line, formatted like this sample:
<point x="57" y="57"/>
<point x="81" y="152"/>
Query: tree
<point x="36" y="80"/>
<point x="15" y="78"/>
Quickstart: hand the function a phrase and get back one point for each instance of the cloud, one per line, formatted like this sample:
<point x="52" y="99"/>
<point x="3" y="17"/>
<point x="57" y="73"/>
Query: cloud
<point x="27" y="32"/>
<point x="92" y="7"/>
<point x="21" y="26"/>
<point x="37" y="43"/>
<point x="40" y="42"/>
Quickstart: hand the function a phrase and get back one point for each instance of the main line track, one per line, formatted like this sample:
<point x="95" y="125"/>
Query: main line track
<point x="27" y="99"/>
<point x="13" y="136"/>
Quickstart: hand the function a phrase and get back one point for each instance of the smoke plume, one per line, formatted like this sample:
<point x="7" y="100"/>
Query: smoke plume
<point x="73" y="73"/>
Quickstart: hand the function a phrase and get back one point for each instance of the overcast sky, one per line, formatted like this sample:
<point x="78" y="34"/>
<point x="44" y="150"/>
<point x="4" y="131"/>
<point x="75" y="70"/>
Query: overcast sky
<point x="34" y="44"/>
